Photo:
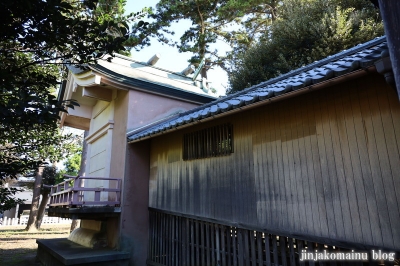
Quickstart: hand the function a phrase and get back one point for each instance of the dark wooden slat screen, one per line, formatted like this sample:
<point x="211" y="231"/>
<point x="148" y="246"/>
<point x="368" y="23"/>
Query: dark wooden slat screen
<point x="178" y="240"/>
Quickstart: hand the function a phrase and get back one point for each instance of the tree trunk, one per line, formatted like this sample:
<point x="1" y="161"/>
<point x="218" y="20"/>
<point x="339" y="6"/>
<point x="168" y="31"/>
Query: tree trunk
<point x="390" y="11"/>
<point x="75" y="222"/>
<point x="42" y="208"/>
<point x="204" y="72"/>
<point x="31" y="225"/>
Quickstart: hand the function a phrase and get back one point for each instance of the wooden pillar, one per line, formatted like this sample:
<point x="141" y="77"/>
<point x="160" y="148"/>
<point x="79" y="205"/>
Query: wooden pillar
<point x="390" y="11"/>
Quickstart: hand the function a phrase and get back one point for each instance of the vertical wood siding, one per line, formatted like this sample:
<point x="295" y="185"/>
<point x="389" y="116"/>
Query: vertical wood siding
<point x="324" y="164"/>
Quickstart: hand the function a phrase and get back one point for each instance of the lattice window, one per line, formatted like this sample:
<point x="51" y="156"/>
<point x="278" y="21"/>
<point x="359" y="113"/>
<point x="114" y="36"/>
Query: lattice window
<point x="208" y="142"/>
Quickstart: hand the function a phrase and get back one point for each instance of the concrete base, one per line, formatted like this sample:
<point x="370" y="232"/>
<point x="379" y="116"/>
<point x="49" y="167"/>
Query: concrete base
<point x="88" y="238"/>
<point x="61" y="251"/>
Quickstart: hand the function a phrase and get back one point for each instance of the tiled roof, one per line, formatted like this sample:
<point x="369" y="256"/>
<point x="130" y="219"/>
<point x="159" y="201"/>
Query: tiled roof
<point x="142" y="76"/>
<point x="130" y="72"/>
<point x="359" y="57"/>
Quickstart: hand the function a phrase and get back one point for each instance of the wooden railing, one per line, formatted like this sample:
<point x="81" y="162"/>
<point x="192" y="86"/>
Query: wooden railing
<point x="72" y="192"/>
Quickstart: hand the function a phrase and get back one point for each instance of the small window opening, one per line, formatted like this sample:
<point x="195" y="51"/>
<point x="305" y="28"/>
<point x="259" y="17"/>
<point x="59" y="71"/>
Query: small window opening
<point x="209" y="142"/>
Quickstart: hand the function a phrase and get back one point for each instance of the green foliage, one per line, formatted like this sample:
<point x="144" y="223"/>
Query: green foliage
<point x="37" y="38"/>
<point x="49" y="175"/>
<point x="73" y="164"/>
<point x="254" y="18"/>
<point x="71" y="158"/>
<point x="7" y="199"/>
<point x="113" y="11"/>
<point x="110" y="10"/>
<point x="304" y="31"/>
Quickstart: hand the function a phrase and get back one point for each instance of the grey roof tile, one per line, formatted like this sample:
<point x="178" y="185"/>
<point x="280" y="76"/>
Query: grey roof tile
<point x="288" y="88"/>
<point x="248" y="99"/>
<point x="236" y="103"/>
<point x="179" y="121"/>
<point x="196" y="115"/>
<point x="318" y="78"/>
<point x="342" y="63"/>
<point x="214" y="110"/>
<point x="265" y="94"/>
<point x="206" y="112"/>
<point x="188" y="118"/>
<point x="224" y="106"/>
<point x="297" y="85"/>
<point x="278" y="90"/>
<point x="307" y="81"/>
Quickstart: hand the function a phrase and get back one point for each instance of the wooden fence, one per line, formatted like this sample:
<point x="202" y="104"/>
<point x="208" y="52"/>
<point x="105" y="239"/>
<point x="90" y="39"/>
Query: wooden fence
<point x="177" y="240"/>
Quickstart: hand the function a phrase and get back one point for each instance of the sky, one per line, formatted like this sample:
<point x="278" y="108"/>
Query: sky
<point x="171" y="59"/>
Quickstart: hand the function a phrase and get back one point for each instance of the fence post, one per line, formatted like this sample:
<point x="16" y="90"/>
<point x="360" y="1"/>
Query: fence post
<point x="75" y="193"/>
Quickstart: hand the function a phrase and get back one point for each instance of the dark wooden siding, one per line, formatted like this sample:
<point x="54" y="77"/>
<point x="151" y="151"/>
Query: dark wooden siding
<point x="325" y="164"/>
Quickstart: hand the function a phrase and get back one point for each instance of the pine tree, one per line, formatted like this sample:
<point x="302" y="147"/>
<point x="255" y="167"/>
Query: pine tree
<point x="305" y="31"/>
<point x="211" y="21"/>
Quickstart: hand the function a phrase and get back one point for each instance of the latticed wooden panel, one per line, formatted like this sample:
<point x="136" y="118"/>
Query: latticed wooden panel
<point x="208" y="142"/>
<point x="178" y="240"/>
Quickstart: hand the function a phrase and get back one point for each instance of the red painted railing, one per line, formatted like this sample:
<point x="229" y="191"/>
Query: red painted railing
<point x="71" y="192"/>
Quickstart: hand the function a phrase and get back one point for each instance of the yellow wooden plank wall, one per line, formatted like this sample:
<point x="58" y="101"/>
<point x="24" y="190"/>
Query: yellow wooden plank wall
<point x="324" y="164"/>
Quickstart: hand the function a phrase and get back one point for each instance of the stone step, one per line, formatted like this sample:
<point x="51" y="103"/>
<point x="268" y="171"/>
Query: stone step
<point x="61" y="251"/>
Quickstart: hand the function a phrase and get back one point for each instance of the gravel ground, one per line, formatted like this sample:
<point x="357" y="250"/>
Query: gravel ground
<point x="18" y="247"/>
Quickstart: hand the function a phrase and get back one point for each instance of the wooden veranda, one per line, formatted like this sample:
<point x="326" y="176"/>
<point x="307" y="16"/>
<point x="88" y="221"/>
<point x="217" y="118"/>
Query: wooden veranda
<point x="72" y="199"/>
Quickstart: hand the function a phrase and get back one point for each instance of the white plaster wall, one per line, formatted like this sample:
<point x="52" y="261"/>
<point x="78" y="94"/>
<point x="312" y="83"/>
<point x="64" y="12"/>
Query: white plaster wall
<point x="98" y="157"/>
<point x="145" y="108"/>
<point x="102" y="112"/>
<point x="99" y="147"/>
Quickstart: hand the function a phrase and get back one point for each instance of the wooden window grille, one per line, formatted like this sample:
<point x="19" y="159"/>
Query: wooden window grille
<point x="208" y="142"/>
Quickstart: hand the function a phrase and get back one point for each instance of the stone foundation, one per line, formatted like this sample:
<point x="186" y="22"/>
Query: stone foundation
<point x="61" y="251"/>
